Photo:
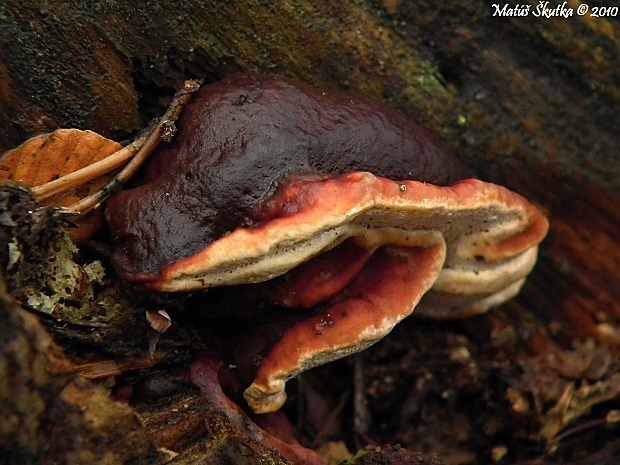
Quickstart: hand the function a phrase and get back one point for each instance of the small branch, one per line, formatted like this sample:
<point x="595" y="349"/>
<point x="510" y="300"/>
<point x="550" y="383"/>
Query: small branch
<point x="164" y="129"/>
<point x="90" y="172"/>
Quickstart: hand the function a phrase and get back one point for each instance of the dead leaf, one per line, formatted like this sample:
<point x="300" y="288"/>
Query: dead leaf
<point x="160" y="321"/>
<point x="47" y="157"/>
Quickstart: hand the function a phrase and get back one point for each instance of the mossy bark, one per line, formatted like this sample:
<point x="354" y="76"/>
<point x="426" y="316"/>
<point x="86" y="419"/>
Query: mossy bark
<point x="497" y="89"/>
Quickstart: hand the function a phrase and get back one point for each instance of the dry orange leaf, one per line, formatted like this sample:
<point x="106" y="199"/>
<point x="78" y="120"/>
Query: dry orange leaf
<point x="47" y="157"/>
<point x="70" y="167"/>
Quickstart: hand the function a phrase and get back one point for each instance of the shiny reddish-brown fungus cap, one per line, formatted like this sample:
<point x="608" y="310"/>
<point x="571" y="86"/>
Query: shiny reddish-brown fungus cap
<point x="240" y="138"/>
<point x="350" y="206"/>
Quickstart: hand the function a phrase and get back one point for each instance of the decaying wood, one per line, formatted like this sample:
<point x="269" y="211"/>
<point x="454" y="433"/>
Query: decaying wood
<point x="549" y="96"/>
<point x="49" y="414"/>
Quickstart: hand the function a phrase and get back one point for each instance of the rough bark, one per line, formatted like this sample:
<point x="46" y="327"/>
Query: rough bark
<point x="524" y="88"/>
<point x="48" y="414"/>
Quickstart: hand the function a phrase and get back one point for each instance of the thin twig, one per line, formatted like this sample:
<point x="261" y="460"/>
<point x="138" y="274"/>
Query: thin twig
<point x="164" y="129"/>
<point x="579" y="428"/>
<point x="90" y="172"/>
<point x="331" y="419"/>
<point x="361" y="413"/>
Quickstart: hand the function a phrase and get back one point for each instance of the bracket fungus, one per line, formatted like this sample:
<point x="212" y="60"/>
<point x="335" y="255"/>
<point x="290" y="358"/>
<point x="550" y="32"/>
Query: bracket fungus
<point x="347" y="208"/>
